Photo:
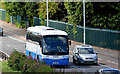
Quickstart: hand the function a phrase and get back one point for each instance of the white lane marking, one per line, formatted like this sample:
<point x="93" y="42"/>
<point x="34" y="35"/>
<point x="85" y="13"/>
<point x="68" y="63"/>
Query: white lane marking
<point x="8" y="45"/>
<point x="105" y="66"/>
<point x="109" y="61"/>
<point x="112" y="62"/>
<point x="16" y="39"/>
<point x="82" y="69"/>
<point x="99" y="59"/>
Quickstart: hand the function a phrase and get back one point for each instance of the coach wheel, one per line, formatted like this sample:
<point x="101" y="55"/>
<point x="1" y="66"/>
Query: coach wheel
<point x="29" y="53"/>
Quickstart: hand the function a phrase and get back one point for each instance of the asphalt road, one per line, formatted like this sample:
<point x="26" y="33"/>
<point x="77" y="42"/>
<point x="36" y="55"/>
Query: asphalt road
<point x="9" y="43"/>
<point x="14" y="38"/>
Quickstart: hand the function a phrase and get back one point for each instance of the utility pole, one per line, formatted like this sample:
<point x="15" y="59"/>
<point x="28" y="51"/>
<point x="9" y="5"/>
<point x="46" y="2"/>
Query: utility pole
<point x="84" y="18"/>
<point x="47" y="14"/>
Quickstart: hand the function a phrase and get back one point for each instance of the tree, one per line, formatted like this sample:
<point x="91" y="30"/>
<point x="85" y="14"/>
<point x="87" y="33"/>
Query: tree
<point x="56" y="11"/>
<point x="98" y="15"/>
<point x="106" y="15"/>
<point x="23" y="9"/>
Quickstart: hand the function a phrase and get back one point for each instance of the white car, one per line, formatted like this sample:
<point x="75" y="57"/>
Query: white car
<point x="1" y="31"/>
<point x="84" y="54"/>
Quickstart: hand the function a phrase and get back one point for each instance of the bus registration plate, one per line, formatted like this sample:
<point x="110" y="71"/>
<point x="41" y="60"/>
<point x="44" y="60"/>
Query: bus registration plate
<point x="55" y="62"/>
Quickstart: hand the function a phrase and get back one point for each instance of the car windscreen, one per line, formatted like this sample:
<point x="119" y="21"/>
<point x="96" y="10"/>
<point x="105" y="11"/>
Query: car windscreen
<point x="86" y="51"/>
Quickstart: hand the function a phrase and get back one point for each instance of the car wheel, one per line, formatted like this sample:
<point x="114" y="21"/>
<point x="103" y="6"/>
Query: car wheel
<point x="77" y="61"/>
<point x="2" y="34"/>
<point x="73" y="60"/>
<point x="96" y="64"/>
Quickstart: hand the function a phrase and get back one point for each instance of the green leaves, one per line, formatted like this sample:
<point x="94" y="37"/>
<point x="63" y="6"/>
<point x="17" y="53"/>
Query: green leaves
<point x="55" y="9"/>
<point x="97" y="14"/>
<point x="20" y="62"/>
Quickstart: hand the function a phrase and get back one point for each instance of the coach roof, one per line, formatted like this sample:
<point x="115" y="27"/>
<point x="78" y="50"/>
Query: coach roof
<point x="42" y="30"/>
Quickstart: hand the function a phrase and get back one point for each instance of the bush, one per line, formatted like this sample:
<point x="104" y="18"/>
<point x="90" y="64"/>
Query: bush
<point x="0" y="15"/>
<point x="5" y="68"/>
<point x="20" y="62"/>
<point x="39" y="68"/>
<point x="7" y="18"/>
<point x="22" y="22"/>
<point x="15" y="60"/>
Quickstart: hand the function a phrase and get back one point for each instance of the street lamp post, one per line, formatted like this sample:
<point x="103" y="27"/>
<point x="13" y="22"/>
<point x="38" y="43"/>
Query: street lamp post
<point x="47" y="14"/>
<point x="84" y="18"/>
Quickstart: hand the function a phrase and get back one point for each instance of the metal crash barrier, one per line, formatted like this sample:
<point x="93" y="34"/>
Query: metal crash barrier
<point x="3" y="56"/>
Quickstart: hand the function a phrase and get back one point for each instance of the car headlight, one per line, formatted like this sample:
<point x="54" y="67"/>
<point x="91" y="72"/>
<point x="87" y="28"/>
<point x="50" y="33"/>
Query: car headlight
<point x="81" y="58"/>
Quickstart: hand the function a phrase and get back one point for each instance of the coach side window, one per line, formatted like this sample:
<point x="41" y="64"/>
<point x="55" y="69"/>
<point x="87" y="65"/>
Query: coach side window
<point x="33" y="38"/>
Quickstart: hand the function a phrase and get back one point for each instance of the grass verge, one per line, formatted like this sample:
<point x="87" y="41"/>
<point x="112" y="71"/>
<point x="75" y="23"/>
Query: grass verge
<point x="4" y="67"/>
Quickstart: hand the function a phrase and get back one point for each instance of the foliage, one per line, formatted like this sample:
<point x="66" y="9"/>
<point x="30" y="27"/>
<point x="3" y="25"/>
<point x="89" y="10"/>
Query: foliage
<point x="67" y="29"/>
<point x="106" y="15"/>
<point x="23" y="9"/>
<point x="98" y="15"/>
<point x="43" y="10"/>
<point x="15" y="59"/>
<point x="56" y="11"/>
<point x="7" y="18"/>
<point x="0" y="5"/>
<point x="103" y="15"/>
<point x="39" y="68"/>
<point x="22" y="23"/>
<point x="4" y="67"/>
<point x="20" y="62"/>
<point x="74" y="11"/>
<point x="0" y="15"/>
<point x="18" y="25"/>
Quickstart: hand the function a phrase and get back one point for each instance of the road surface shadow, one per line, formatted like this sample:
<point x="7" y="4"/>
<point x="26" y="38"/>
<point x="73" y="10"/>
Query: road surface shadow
<point x="102" y="63"/>
<point x="3" y="35"/>
<point x="60" y="66"/>
<point x="71" y="65"/>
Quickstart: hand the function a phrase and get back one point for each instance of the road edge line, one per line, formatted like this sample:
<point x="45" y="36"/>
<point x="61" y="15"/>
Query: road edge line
<point x="16" y="39"/>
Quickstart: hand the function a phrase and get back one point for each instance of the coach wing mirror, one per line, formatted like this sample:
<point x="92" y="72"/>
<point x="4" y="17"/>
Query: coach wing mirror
<point x="77" y="53"/>
<point x="69" y="42"/>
